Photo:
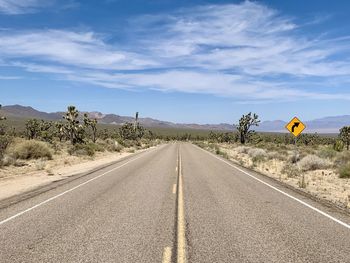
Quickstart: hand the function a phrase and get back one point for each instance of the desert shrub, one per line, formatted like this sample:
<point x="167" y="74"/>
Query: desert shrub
<point x="291" y="170"/>
<point x="294" y="157"/>
<point x="256" y="152"/>
<point x="242" y="149"/>
<point x="118" y="148"/>
<point x="327" y="152"/>
<point x="40" y="164"/>
<point x="30" y="149"/>
<point x="277" y="156"/>
<point x="257" y="155"/>
<point x="4" y="143"/>
<point x="302" y="182"/>
<point x="313" y="162"/>
<point x="82" y="149"/>
<point x="131" y="150"/>
<point x="218" y="151"/>
<point x="97" y="147"/>
<point x="113" y="145"/>
<point x="338" y="145"/>
<point x="344" y="171"/>
<point x="342" y="158"/>
<point x="127" y="143"/>
<point x="282" y="154"/>
<point x="213" y="146"/>
<point x="8" y="160"/>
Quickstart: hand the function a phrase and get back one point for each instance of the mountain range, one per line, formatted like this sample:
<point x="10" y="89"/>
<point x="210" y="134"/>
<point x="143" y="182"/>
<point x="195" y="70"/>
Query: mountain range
<point x="19" y="111"/>
<point x="322" y="125"/>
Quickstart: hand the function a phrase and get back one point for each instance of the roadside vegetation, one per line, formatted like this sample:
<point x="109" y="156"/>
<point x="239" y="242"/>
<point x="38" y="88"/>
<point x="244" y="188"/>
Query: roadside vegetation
<point x="317" y="164"/>
<point x="75" y="136"/>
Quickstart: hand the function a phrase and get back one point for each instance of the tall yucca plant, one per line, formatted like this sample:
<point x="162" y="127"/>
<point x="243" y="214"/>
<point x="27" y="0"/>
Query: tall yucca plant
<point x="92" y="123"/>
<point x="245" y="124"/>
<point x="136" y="121"/>
<point x="75" y="130"/>
<point x="345" y="136"/>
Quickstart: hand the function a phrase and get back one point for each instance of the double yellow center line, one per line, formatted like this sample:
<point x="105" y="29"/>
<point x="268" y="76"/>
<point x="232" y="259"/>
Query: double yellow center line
<point x="181" y="256"/>
<point x="181" y="225"/>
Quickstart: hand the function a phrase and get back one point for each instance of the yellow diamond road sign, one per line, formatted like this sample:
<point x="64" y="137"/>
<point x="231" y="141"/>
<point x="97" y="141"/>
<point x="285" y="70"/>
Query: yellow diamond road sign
<point x="295" y="126"/>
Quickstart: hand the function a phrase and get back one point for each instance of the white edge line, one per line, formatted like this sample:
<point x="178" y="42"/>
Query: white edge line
<point x="280" y="191"/>
<point x="69" y="190"/>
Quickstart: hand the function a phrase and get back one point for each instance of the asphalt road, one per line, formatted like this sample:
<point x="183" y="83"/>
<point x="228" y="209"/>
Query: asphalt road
<point x="174" y="203"/>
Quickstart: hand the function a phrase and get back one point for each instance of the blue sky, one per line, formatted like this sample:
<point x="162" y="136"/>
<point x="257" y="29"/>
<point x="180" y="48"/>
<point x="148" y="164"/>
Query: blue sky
<point x="178" y="60"/>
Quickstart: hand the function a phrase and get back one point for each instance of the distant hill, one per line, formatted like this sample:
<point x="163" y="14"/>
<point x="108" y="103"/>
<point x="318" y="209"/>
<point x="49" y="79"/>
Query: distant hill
<point x="20" y="111"/>
<point x="322" y="125"/>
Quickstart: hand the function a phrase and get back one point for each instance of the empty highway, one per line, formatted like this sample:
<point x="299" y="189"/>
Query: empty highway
<point x="172" y="203"/>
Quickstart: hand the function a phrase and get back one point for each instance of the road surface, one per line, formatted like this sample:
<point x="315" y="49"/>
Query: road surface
<point x="173" y="203"/>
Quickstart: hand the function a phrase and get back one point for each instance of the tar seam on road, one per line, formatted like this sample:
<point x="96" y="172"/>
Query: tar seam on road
<point x="284" y="193"/>
<point x="67" y="191"/>
<point x="181" y="225"/>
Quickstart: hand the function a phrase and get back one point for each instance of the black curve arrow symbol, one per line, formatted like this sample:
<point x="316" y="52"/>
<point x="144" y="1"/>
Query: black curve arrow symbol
<point x="296" y="124"/>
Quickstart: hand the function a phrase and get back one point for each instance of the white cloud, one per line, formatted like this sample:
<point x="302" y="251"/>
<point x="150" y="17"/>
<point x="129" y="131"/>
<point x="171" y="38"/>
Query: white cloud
<point x="82" y="49"/>
<point x="15" y="7"/>
<point x="246" y="51"/>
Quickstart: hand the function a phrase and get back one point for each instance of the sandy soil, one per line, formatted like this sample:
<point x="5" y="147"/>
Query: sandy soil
<point x="35" y="173"/>
<point x="324" y="184"/>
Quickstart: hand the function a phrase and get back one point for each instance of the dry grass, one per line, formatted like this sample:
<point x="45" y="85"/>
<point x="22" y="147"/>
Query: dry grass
<point x="320" y="171"/>
<point x="29" y="149"/>
<point x="344" y="171"/>
<point x="313" y="162"/>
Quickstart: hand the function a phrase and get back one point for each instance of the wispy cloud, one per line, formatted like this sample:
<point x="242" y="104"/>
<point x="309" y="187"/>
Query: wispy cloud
<point x="246" y="51"/>
<point x="15" y="7"/>
<point x="82" y="49"/>
<point x="9" y="77"/>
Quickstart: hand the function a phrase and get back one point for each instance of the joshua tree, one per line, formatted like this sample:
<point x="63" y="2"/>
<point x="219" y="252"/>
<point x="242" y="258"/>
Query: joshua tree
<point x="74" y="129"/>
<point x="60" y="130"/>
<point x="245" y="123"/>
<point x="128" y="132"/>
<point x="33" y="129"/>
<point x="345" y="136"/>
<point x="140" y="131"/>
<point x="46" y="131"/>
<point x="92" y="123"/>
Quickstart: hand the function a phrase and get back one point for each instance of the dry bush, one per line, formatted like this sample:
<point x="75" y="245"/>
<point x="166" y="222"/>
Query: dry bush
<point x="30" y="149"/>
<point x="342" y="158"/>
<point x="242" y="149"/>
<point x="313" y="162"/>
<point x="82" y="149"/>
<point x="4" y="143"/>
<point x="131" y="150"/>
<point x="40" y="164"/>
<point x="327" y="153"/>
<point x="291" y="170"/>
<point x="344" y="171"/>
<point x="275" y="155"/>
<point x="8" y="160"/>
<point x="257" y="153"/>
<point x="294" y="157"/>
